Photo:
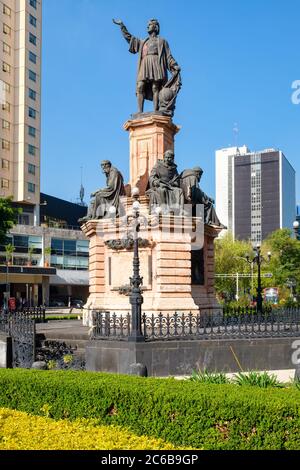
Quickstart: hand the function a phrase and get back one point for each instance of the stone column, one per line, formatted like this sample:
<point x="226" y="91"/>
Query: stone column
<point x="45" y="290"/>
<point x="150" y="137"/>
<point x="97" y="278"/>
<point x="172" y="289"/>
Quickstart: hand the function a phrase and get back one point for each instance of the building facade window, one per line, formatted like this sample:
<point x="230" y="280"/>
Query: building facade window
<point x="6" y="87"/>
<point x="5" y="124"/>
<point x="5" y="67"/>
<point x="32" y="57"/>
<point x="5" y="106"/>
<point x="6" y="10"/>
<point x="6" y="48"/>
<point x="32" y="75"/>
<point x="33" y="3"/>
<point x="4" y="183"/>
<point x="32" y="39"/>
<point x="31" y="187"/>
<point x="32" y="20"/>
<point x="32" y="113"/>
<point x="70" y="254"/>
<point x="31" y="150"/>
<point x="32" y="94"/>
<point x="6" y="29"/>
<point x="5" y="144"/>
<point x="31" y="131"/>
<point x="4" y="164"/>
<point x="31" y="169"/>
<point x="27" y="247"/>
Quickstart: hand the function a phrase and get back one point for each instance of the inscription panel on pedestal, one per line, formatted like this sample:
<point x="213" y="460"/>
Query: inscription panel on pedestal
<point x="120" y="268"/>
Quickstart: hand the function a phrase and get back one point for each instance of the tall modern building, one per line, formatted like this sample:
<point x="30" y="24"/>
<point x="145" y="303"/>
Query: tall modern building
<point x="255" y="192"/>
<point x="298" y="219"/>
<point x="51" y="255"/>
<point x="20" y="89"/>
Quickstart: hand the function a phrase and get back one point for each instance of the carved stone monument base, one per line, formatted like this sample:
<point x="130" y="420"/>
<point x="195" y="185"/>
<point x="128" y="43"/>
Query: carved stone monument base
<point x="166" y="257"/>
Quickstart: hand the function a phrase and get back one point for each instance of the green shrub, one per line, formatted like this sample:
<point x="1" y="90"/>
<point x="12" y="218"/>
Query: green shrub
<point x="61" y="317"/>
<point x="20" y="431"/>
<point x="257" y="379"/>
<point x="209" y="377"/>
<point x="183" y="413"/>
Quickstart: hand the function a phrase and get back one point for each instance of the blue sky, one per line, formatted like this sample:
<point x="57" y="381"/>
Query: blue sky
<point x="239" y="59"/>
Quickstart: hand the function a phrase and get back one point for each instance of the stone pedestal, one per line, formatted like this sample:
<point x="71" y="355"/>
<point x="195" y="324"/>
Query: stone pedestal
<point x="166" y="256"/>
<point x="150" y="137"/>
<point x="167" y="253"/>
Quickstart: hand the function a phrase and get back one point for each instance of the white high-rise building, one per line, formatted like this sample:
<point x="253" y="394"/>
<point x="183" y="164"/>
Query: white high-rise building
<point x="255" y="192"/>
<point x="20" y="90"/>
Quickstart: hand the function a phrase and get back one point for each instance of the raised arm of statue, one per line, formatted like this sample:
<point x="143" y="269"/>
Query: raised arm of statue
<point x="124" y="30"/>
<point x="132" y="41"/>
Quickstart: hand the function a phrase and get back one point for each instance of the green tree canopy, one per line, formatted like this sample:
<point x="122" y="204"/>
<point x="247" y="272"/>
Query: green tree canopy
<point x="8" y="217"/>
<point x="285" y="261"/>
<point x="230" y="258"/>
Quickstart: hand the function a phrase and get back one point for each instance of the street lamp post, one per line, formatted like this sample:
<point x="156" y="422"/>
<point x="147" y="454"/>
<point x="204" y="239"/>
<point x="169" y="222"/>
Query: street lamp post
<point x="296" y="226"/>
<point x="258" y="259"/>
<point x="136" y="298"/>
<point x="7" y="293"/>
<point x="259" y="286"/>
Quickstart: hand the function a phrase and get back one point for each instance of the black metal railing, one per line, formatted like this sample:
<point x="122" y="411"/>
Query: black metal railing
<point x="21" y="328"/>
<point x="22" y="332"/>
<point x="205" y="325"/>
<point x="35" y="313"/>
<point x="38" y="314"/>
<point x="4" y="323"/>
<point x="110" y="326"/>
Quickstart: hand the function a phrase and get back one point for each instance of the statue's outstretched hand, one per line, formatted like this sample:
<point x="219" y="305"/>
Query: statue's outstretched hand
<point x="118" y="22"/>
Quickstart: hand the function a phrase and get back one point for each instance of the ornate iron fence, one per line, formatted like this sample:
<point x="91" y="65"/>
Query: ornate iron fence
<point x="204" y="325"/>
<point x="21" y="328"/>
<point x="4" y="324"/>
<point x="110" y="326"/>
<point x="32" y="313"/>
<point x="35" y="313"/>
<point x="22" y="332"/>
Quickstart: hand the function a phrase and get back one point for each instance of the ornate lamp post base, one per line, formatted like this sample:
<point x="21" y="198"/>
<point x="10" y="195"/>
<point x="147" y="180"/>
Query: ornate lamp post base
<point x="136" y="281"/>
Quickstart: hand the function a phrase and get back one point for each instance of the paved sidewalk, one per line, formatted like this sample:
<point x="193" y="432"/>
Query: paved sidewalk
<point x="64" y="329"/>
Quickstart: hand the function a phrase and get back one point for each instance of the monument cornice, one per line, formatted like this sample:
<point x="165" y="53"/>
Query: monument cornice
<point x="152" y="120"/>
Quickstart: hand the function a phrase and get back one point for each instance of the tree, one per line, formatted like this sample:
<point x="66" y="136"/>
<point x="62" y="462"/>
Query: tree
<point x="230" y="259"/>
<point x="8" y="217"/>
<point x="9" y="250"/>
<point x="285" y="259"/>
<point x="284" y="264"/>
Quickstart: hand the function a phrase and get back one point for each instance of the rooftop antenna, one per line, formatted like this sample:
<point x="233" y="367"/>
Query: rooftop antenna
<point x="236" y="134"/>
<point x="81" y="192"/>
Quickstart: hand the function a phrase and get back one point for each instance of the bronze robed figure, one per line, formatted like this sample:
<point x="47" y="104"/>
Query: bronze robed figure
<point x="193" y="194"/>
<point x="108" y="197"/>
<point x="155" y="60"/>
<point x="164" y="186"/>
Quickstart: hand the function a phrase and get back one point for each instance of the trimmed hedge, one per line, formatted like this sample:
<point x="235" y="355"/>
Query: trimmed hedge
<point x="20" y="431"/>
<point x="61" y="317"/>
<point x="184" y="413"/>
